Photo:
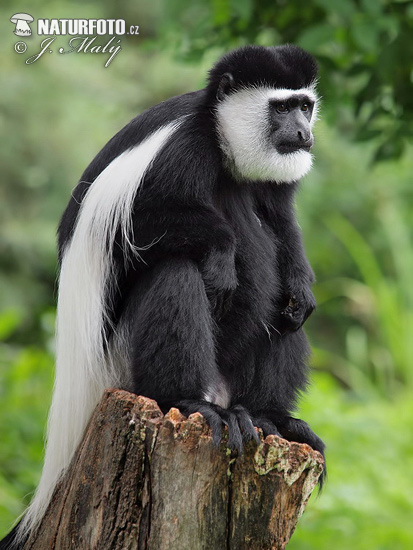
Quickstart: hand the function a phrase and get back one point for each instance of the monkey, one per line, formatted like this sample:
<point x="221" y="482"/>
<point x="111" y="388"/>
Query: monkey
<point x="183" y="276"/>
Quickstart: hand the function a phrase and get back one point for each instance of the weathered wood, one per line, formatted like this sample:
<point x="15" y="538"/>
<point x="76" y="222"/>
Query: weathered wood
<point x="144" y="481"/>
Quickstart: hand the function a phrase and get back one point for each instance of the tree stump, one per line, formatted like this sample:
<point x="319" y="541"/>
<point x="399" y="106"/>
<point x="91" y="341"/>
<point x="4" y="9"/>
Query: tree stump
<point x="141" y="480"/>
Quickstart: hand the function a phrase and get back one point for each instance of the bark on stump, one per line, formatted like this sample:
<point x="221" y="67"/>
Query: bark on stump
<point x="141" y="480"/>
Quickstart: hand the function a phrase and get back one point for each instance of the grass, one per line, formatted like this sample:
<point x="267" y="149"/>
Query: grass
<point x="367" y="501"/>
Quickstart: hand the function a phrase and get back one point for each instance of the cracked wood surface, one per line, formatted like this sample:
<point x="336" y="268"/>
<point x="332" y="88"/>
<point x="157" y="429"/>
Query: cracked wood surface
<point x="144" y="481"/>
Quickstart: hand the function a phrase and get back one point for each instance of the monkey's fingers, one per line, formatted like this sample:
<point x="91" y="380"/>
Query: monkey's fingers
<point x="267" y="427"/>
<point x="240" y="426"/>
<point x="245" y="423"/>
<point x="235" y="441"/>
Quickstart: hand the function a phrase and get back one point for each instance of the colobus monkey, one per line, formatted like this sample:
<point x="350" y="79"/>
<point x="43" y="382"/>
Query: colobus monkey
<point x="182" y="270"/>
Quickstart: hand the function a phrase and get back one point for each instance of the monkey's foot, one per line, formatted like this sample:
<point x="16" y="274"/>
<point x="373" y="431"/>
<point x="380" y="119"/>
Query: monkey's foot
<point x="295" y="429"/>
<point x="267" y="427"/>
<point x="292" y="429"/>
<point x="237" y="419"/>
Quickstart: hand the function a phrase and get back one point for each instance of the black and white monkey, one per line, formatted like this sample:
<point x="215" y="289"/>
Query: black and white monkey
<point x="183" y="276"/>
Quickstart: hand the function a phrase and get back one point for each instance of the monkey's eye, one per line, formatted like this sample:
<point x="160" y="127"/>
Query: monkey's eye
<point x="305" y="107"/>
<point x="282" y="108"/>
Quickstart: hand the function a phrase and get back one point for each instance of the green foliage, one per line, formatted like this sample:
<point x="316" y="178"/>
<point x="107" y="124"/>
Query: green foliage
<point x="351" y="210"/>
<point x="26" y="373"/>
<point x="364" y="48"/>
<point x="389" y="319"/>
<point x="367" y="503"/>
<point x="356" y="217"/>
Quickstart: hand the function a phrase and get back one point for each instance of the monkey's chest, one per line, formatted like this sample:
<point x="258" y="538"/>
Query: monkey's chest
<point x="256" y="266"/>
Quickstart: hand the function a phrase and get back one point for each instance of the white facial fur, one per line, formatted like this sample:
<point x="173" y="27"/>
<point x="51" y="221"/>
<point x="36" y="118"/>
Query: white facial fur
<point x="243" y="126"/>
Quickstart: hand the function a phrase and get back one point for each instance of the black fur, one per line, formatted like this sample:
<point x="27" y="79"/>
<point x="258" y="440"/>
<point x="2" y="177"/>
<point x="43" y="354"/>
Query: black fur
<point x="223" y="294"/>
<point x="9" y="542"/>
<point x="220" y="298"/>
<point x="278" y="67"/>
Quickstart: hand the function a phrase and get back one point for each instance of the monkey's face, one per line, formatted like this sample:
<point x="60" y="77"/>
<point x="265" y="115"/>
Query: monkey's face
<point x="266" y="134"/>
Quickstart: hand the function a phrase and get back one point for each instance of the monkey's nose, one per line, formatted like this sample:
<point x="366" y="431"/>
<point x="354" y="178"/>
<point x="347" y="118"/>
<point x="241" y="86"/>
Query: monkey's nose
<point x="305" y="137"/>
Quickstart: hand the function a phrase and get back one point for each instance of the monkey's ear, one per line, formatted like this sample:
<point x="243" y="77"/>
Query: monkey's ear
<point x="226" y="84"/>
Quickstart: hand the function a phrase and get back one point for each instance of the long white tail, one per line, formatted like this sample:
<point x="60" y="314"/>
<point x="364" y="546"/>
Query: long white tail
<point x="83" y="370"/>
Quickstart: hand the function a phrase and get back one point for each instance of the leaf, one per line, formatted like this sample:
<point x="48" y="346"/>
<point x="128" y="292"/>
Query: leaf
<point x="314" y="37"/>
<point x="373" y="7"/>
<point x="366" y="134"/>
<point x="222" y="11"/>
<point x="344" y="8"/>
<point x="389" y="150"/>
<point x="365" y="34"/>
<point x="242" y="9"/>
<point x="10" y="320"/>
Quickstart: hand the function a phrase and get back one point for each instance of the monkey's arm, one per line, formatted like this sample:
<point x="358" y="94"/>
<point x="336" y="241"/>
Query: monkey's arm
<point x="195" y="231"/>
<point x="174" y="210"/>
<point x="275" y="207"/>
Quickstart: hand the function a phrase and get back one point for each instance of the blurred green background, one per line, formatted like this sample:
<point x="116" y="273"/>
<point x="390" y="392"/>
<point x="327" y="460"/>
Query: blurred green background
<point x="355" y="208"/>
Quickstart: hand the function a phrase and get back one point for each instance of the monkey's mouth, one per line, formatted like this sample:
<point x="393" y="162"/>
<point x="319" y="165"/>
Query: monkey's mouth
<point x="290" y="147"/>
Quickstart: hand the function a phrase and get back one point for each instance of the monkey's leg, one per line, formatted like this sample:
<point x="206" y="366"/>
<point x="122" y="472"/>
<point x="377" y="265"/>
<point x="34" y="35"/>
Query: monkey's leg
<point x="172" y="352"/>
<point x="281" y="374"/>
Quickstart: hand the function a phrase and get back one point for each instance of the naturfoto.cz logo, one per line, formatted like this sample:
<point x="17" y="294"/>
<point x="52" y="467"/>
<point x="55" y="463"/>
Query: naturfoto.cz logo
<point x="85" y="26"/>
<point x="85" y="35"/>
<point x="22" y="22"/>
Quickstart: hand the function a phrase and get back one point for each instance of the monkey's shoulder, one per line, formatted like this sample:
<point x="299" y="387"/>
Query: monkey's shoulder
<point x="179" y="153"/>
<point x="142" y="126"/>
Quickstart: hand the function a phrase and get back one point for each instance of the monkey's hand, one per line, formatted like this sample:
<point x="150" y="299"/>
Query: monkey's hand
<point x="220" y="279"/>
<point x="296" y="307"/>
